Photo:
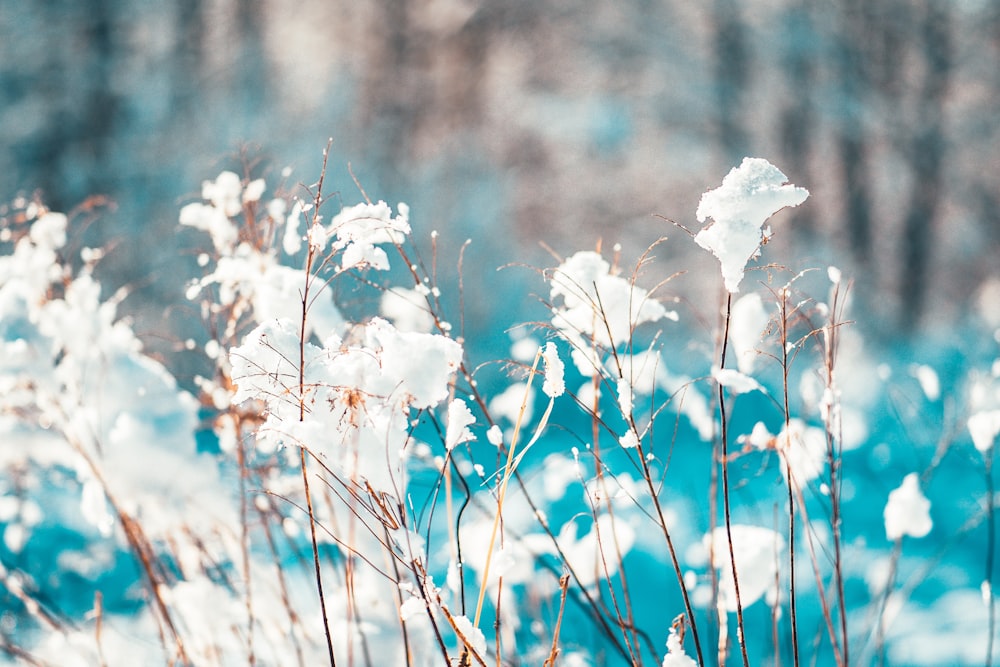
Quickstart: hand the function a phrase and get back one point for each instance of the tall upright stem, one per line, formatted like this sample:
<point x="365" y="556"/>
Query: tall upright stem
<point x="725" y="487"/>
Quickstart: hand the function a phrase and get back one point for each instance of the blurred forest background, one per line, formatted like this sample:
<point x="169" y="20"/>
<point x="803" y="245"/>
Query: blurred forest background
<point x="512" y="122"/>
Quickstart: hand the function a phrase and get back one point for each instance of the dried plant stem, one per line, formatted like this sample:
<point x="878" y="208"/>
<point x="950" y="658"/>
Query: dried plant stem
<point x="315" y="555"/>
<point x="688" y="608"/>
<point x="792" y="598"/>
<point x="814" y="561"/>
<point x="293" y="618"/>
<point x="990" y="556"/>
<point x="624" y="623"/>
<point x="143" y="550"/>
<point x="508" y="470"/>
<point x="835" y="461"/>
<point x="740" y="634"/>
<point x="98" y="624"/>
<point x="468" y="652"/>
<point x="554" y="651"/>
<point x="302" y="450"/>
<point x="245" y="549"/>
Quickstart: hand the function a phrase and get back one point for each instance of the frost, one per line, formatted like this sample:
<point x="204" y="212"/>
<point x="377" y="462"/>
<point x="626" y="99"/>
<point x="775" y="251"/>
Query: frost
<point x="759" y="438"/>
<point x="908" y="512"/>
<point x="411" y="607"/>
<point x="748" y="196"/>
<point x="224" y="193"/>
<point x="49" y="231"/>
<point x="424" y="376"/>
<point x="984" y="427"/>
<point x="254" y="190"/>
<point x="459" y="419"/>
<point x="212" y="220"/>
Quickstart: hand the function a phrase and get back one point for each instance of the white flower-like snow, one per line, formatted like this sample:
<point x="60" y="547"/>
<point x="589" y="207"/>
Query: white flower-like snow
<point x="908" y="511"/>
<point x="748" y="196"/>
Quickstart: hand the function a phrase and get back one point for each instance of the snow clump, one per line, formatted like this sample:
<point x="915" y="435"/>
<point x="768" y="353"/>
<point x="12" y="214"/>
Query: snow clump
<point x="748" y="196"/>
<point x="908" y="511"/>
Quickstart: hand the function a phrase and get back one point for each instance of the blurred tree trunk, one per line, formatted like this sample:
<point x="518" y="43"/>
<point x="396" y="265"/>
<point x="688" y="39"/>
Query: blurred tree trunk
<point x="851" y="135"/>
<point x="389" y="101"/>
<point x="731" y="76"/>
<point x="102" y="106"/>
<point x="188" y="55"/>
<point x="927" y="155"/>
<point x="797" y="122"/>
<point x="252" y="80"/>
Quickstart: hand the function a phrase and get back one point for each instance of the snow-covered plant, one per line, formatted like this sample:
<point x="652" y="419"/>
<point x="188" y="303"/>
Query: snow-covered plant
<point x="361" y="492"/>
<point x="749" y="195"/>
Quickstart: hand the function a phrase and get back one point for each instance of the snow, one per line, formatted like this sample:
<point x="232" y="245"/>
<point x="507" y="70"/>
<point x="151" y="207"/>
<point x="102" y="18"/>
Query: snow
<point x="756" y="552"/>
<point x="595" y="558"/>
<point x="735" y="381"/>
<point x="748" y="320"/>
<point x="984" y="426"/>
<point x="596" y="303"/>
<point x="102" y="428"/>
<point x="407" y="309"/>
<point x="748" y="196"/>
<point x="676" y="657"/>
<point x="459" y="419"/>
<point x="803" y="451"/>
<point x="930" y="384"/>
<point x="554" y="384"/>
<point x="908" y="512"/>
<point x="361" y="228"/>
<point x="471" y="634"/>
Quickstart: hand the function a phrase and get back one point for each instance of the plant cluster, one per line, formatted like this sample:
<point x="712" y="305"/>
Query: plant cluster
<point x="370" y="495"/>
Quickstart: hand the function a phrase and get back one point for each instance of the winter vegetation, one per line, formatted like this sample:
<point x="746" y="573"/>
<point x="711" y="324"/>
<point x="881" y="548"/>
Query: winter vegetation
<point x="343" y="481"/>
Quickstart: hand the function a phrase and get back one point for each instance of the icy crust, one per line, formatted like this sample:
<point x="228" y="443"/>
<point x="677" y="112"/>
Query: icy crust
<point x="749" y="195"/>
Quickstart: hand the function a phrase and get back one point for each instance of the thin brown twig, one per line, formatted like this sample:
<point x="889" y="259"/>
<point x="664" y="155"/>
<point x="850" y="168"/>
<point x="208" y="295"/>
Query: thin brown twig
<point x="554" y="651"/>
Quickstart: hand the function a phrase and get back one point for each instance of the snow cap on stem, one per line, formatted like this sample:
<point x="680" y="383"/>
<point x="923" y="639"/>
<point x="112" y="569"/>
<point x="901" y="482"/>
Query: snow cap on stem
<point x="748" y="196"/>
